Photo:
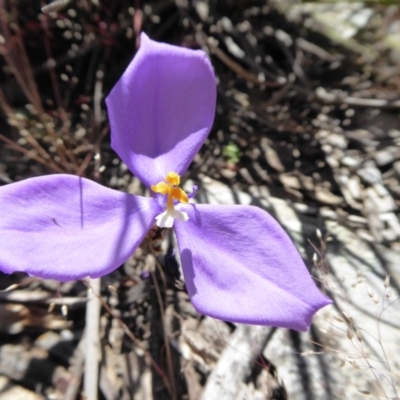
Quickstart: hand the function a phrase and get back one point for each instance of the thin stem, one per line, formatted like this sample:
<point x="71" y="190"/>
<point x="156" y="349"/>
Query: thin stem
<point x="93" y="308"/>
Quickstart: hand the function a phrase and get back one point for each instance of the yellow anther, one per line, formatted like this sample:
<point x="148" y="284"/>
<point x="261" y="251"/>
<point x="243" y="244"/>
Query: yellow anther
<point x="171" y="189"/>
<point x="161" y="187"/>
<point x="173" y="178"/>
<point x="178" y="194"/>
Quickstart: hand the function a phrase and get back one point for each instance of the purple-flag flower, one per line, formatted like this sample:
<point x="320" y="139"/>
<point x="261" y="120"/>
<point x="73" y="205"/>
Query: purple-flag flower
<point x="239" y="264"/>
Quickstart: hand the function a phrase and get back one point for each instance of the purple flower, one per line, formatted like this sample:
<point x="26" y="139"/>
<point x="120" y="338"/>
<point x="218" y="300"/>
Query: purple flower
<point x="239" y="264"/>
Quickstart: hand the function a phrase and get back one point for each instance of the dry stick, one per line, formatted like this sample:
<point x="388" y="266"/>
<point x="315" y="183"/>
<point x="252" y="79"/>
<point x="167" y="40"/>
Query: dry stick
<point x="21" y="56"/>
<point x="362" y="102"/>
<point x="76" y="370"/>
<point x="16" y="69"/>
<point x="312" y="48"/>
<point x="384" y="352"/>
<point x="234" y="366"/>
<point x="93" y="307"/>
<point x="204" y="40"/>
<point x="85" y="163"/>
<point x="50" y="62"/>
<point x="280" y="94"/>
<point x="98" y="91"/>
<point x="19" y="64"/>
<point x="331" y="98"/>
<point x="45" y="159"/>
<point x="56" y="88"/>
<point x="166" y="339"/>
<point x="8" y="110"/>
<point x="240" y="71"/>
<point x="15" y="295"/>
<point x="35" y="144"/>
<point x="30" y="138"/>
<point x="55" y="6"/>
<point x="25" y="282"/>
<point x="324" y="96"/>
<point x="30" y="154"/>
<point x="136" y="342"/>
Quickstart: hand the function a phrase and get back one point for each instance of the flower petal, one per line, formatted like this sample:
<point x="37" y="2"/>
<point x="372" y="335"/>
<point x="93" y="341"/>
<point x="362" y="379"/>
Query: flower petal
<point x="64" y="227"/>
<point x="162" y="109"/>
<point x="240" y="266"/>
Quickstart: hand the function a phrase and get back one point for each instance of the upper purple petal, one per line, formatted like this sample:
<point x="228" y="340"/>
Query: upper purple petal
<point x="162" y="109"/>
<point x="64" y="227"/>
<point x="240" y="266"/>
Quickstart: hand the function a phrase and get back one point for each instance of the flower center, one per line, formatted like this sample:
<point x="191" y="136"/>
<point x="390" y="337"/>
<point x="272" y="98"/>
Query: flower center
<point x="171" y="189"/>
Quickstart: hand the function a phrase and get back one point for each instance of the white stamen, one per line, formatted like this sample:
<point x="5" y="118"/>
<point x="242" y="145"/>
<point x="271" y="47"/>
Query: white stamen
<point x="166" y="218"/>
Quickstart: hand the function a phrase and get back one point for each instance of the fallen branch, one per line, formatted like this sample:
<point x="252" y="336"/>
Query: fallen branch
<point x="236" y="362"/>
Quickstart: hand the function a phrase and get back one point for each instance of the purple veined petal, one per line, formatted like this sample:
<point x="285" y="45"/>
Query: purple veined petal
<point x="162" y="109"/>
<point x="240" y="266"/>
<point x="64" y="227"/>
